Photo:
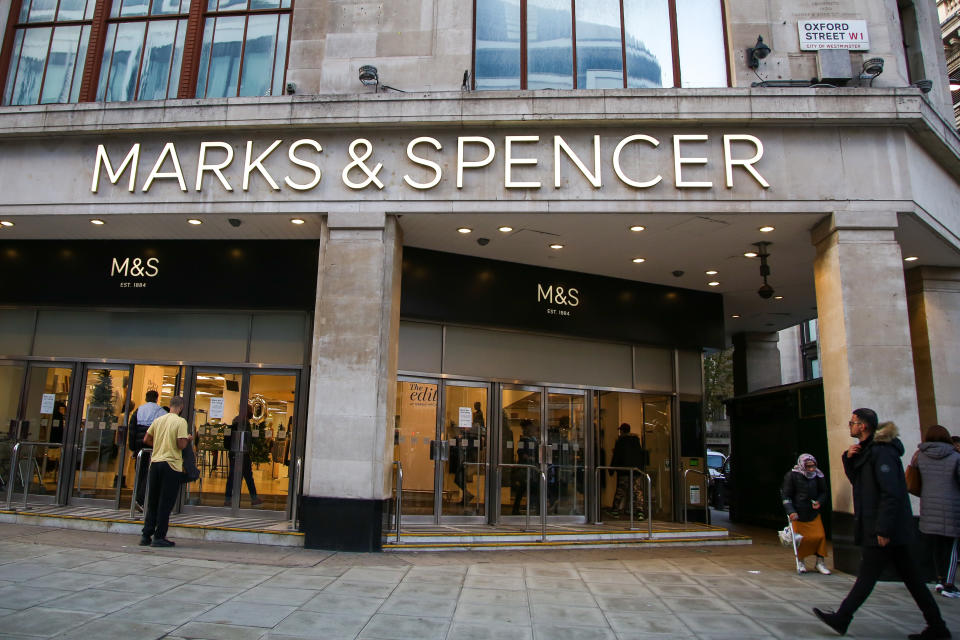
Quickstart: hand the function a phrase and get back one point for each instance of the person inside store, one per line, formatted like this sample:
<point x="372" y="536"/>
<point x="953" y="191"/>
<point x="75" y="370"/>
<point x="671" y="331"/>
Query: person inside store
<point x="628" y="452"/>
<point x="527" y="453"/>
<point x="144" y="417"/>
<point x="169" y="436"/>
<point x="804" y="494"/>
<point x="883" y="524"/>
<point x="938" y="462"/>
<point x="246" y="468"/>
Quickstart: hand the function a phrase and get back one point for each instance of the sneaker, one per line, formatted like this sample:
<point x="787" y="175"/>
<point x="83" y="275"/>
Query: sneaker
<point x="256" y="501"/>
<point x="938" y="588"/>
<point x="833" y="620"/>
<point x="950" y="591"/>
<point x="822" y="567"/>
<point x="932" y="633"/>
<point x="162" y="542"/>
<point x="613" y="513"/>
<point x="801" y="568"/>
<point x="145" y="541"/>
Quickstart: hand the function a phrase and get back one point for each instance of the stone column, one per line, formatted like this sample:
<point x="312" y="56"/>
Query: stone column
<point x="933" y="299"/>
<point x="348" y="459"/>
<point x="865" y="351"/>
<point x="756" y="361"/>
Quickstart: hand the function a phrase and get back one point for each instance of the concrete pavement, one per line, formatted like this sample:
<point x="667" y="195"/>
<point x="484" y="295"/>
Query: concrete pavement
<point x="72" y="584"/>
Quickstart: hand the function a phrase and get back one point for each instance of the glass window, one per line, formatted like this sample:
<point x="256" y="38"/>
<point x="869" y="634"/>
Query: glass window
<point x="532" y="44"/>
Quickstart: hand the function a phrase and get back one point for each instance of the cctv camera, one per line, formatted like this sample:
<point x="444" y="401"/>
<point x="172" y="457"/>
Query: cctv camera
<point x="765" y="292"/>
<point x="677" y="273"/>
<point x="235" y="222"/>
<point x="483" y="241"/>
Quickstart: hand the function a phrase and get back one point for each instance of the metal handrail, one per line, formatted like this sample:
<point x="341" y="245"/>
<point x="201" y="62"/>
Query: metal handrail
<point x="596" y="495"/>
<point x="294" y="510"/>
<point x="138" y="468"/>
<point x="685" y="486"/>
<point x="14" y="459"/>
<point x="398" y="488"/>
<point x="543" y="493"/>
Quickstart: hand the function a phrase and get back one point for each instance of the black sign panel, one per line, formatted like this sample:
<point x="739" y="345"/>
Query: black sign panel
<point x="247" y="274"/>
<point x="460" y="289"/>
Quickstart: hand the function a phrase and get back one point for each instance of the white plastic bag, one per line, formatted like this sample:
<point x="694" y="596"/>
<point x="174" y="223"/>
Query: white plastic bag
<point x="787" y="536"/>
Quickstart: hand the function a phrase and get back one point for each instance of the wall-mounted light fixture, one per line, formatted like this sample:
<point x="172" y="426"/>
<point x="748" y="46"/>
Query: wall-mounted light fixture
<point x="757" y="52"/>
<point x="369" y="76"/>
<point x="765" y="291"/>
<point x="925" y="86"/>
<point x="872" y="67"/>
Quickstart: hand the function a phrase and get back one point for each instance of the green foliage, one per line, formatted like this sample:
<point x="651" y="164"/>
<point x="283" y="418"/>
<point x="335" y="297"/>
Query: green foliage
<point x="260" y="447"/>
<point x="718" y="382"/>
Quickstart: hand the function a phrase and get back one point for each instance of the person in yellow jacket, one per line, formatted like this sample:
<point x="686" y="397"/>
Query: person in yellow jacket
<point x="168" y="435"/>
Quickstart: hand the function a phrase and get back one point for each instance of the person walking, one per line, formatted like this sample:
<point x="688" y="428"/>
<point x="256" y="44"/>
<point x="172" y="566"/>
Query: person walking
<point x="883" y="523"/>
<point x="939" y="466"/>
<point x="628" y="452"/>
<point x="804" y="493"/>
<point x="168" y="435"/>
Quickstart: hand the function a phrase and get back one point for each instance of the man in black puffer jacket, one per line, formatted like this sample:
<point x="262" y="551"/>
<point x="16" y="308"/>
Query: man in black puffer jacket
<point x="628" y="452"/>
<point x="883" y="523"/>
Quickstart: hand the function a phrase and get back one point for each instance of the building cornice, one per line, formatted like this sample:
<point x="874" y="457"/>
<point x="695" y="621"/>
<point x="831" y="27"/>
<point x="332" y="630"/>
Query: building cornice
<point x="753" y="107"/>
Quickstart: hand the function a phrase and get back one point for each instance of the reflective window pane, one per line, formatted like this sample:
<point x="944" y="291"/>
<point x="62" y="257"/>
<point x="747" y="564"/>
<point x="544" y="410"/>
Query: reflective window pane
<point x="125" y="65"/>
<point x="33" y="55"/>
<point x="549" y="44"/>
<point x="14" y="60"/>
<point x="71" y="9"/>
<point x="157" y="57"/>
<point x="649" y="53"/>
<point x="280" y="60"/>
<point x="100" y="440"/>
<point x="264" y="4"/>
<point x="205" y="57"/>
<point x="703" y="61"/>
<point x="414" y="433"/>
<point x="42" y="10"/>
<point x="78" y="67"/>
<point x="60" y="65"/>
<point x="130" y="8"/>
<point x="599" y="47"/>
<point x="258" y="56"/>
<point x="107" y="59"/>
<point x="498" y="44"/>
<point x="231" y="5"/>
<point x="223" y="58"/>
<point x="166" y="7"/>
<point x="174" y="83"/>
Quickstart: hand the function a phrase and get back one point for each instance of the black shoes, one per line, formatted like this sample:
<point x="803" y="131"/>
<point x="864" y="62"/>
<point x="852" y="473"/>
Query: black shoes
<point x="835" y="621"/>
<point x="932" y="633"/>
<point x="163" y="542"/>
<point x="144" y="541"/>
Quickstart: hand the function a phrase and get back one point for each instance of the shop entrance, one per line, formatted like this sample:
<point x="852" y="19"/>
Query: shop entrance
<point x="34" y="401"/>
<point x="441" y="438"/>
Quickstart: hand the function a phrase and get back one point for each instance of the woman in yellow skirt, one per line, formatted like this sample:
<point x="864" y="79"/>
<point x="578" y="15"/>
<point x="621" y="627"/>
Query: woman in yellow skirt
<point x="804" y="492"/>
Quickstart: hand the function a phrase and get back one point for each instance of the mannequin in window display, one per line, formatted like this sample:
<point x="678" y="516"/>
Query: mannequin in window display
<point x="527" y="453"/>
<point x="246" y="467"/>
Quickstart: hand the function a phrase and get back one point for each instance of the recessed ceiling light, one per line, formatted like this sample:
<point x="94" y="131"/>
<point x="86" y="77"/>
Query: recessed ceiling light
<point x="639" y="260"/>
<point x="556" y="245"/>
<point x="750" y="254"/>
<point x="910" y="259"/>
<point x="713" y="284"/>
<point x="778" y="297"/>
<point x="464" y="230"/>
<point x="297" y="220"/>
<point x="96" y="221"/>
<point x="505" y="229"/>
<point x="637" y="227"/>
<point x="736" y="315"/>
<point x="712" y="272"/>
<point x="5" y="223"/>
<point x="194" y="221"/>
<point x="955" y="86"/>
<point x="766" y="229"/>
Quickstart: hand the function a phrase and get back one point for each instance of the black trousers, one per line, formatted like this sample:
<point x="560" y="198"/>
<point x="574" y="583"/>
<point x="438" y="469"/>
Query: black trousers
<point x="944" y="558"/>
<point x="164" y="488"/>
<point x="246" y="470"/>
<point x="144" y="472"/>
<point x="872" y="563"/>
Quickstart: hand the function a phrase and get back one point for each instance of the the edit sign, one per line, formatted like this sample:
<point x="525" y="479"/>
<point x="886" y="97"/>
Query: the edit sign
<point x="299" y="165"/>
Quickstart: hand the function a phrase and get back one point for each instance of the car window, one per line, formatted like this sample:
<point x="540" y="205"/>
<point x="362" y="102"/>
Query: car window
<point x="714" y="460"/>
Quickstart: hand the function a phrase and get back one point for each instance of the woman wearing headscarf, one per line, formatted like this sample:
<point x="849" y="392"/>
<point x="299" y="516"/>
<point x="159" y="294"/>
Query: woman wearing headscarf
<point x="804" y="493"/>
<point x="939" y="465"/>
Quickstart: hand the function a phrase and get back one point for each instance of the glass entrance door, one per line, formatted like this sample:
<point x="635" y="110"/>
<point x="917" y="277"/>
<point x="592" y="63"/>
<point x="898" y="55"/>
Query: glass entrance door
<point x="100" y="434"/>
<point x="441" y="440"/>
<point x="44" y="402"/>
<point x="245" y="428"/>
<point x="543" y="431"/>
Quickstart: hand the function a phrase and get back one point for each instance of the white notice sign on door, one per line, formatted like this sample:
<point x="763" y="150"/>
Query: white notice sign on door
<point x="46" y="402"/>
<point x="216" y="408"/>
<point x="466" y="418"/>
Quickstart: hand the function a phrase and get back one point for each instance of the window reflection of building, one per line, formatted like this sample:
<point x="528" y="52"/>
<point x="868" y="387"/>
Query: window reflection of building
<point x="552" y="40"/>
